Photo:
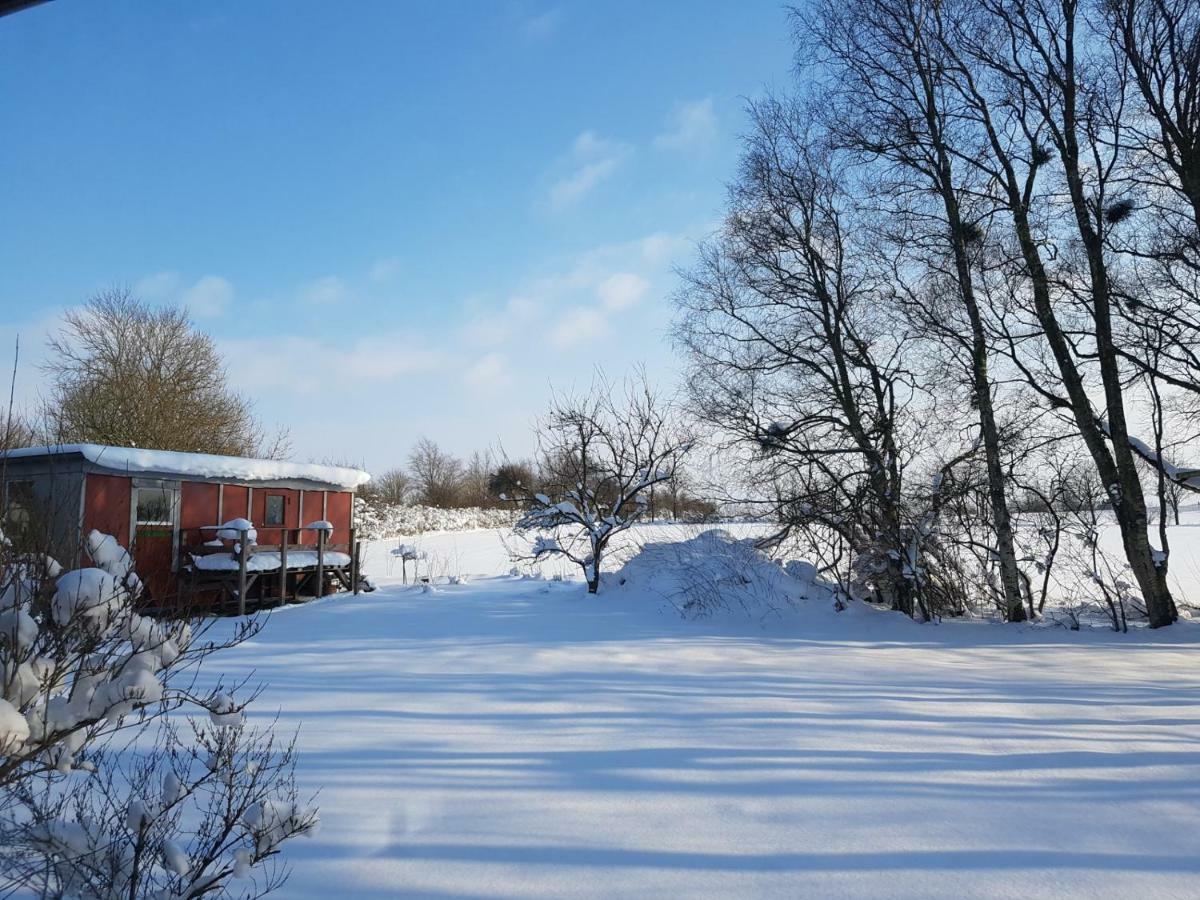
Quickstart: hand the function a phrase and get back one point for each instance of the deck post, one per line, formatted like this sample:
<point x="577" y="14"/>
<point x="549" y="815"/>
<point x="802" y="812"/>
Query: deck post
<point x="242" y="572"/>
<point x="354" y="547"/>
<point x="283" y="569"/>
<point x="321" y="562"/>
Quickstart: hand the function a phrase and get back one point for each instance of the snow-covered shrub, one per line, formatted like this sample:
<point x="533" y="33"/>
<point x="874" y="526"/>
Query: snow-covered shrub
<point x="87" y="686"/>
<point x="202" y="813"/>
<point x="381" y="520"/>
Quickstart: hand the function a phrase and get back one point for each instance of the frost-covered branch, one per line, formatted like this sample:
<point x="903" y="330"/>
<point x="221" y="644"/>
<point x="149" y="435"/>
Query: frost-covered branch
<point x="87" y="686"/>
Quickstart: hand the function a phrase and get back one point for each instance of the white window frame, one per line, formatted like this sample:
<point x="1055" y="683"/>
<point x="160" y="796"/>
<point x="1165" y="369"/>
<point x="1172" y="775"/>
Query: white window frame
<point x="176" y="490"/>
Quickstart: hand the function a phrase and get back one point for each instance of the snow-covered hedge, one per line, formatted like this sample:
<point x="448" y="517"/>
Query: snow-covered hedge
<point x="381" y="520"/>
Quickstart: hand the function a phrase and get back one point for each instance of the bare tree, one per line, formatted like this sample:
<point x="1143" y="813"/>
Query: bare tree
<point x="889" y="102"/>
<point x="128" y="374"/>
<point x="476" y="478"/>
<point x="620" y="444"/>
<point x="437" y="475"/>
<point x="1048" y="105"/>
<point x="798" y="355"/>
<point x="393" y="487"/>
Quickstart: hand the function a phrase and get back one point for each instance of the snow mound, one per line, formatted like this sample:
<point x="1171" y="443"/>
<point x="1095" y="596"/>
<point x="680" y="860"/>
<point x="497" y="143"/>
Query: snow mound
<point x="94" y="595"/>
<point x="715" y="572"/>
<point x="232" y="530"/>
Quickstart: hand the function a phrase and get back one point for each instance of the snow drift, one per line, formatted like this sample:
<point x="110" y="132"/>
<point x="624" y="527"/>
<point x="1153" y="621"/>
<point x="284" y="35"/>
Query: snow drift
<point x="714" y="571"/>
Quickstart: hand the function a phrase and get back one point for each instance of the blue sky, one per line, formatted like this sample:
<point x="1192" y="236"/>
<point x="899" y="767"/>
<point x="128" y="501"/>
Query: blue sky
<point x="397" y="219"/>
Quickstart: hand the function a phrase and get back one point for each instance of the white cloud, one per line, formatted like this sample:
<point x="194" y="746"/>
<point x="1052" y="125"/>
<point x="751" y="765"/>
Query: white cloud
<point x="660" y="247"/>
<point x="583" y="323"/>
<point x="323" y="291"/>
<point x="592" y="160"/>
<point x="385" y="270"/>
<point x="210" y="296"/>
<point x="691" y="127"/>
<point x="387" y="357"/>
<point x="621" y="291"/>
<point x="488" y="373"/>
<point x="159" y="286"/>
<point x="487" y="329"/>
<point x="570" y="190"/>
<point x="311" y="366"/>
<point x="583" y="301"/>
<point x="542" y="25"/>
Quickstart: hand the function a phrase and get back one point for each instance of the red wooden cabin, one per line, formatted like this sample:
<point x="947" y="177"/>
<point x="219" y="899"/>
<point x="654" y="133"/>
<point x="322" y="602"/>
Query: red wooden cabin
<point x="164" y="505"/>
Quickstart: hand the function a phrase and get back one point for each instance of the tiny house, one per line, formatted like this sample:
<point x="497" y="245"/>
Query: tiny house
<point x="167" y="508"/>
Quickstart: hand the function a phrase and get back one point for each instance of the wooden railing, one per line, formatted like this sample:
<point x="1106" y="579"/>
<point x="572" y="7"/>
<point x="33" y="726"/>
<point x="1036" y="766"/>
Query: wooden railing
<point x="289" y="538"/>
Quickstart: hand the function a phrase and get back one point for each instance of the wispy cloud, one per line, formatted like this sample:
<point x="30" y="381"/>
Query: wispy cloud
<point x="158" y="286"/>
<point x="691" y="127"/>
<point x="325" y="291"/>
<point x="211" y="296"/>
<point x="493" y="327"/>
<point x="580" y="324"/>
<point x="592" y="160"/>
<point x="584" y="301"/>
<point x="540" y="26"/>
<point x="311" y="366"/>
<point x="488" y="374"/>
<point x="384" y="270"/>
<point x="621" y="291"/>
<point x="208" y="297"/>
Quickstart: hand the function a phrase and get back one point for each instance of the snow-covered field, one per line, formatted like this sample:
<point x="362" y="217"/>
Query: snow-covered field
<point x="512" y="737"/>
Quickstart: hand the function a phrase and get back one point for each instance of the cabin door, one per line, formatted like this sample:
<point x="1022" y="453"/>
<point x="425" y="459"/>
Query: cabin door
<point x="155" y="532"/>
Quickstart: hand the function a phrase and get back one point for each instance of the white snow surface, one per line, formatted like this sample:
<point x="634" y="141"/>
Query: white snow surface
<point x="204" y="465"/>
<point x="232" y="530"/>
<point x="515" y="737"/>
<point x="14" y="729"/>
<point x="268" y="561"/>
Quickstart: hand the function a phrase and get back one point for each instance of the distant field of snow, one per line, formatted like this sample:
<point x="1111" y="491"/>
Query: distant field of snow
<point x="514" y="737"/>
<point x="487" y="551"/>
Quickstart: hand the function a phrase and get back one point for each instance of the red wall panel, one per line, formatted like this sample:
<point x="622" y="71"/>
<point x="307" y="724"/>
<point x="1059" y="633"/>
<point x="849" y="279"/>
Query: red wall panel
<point x="313" y="506"/>
<point x="233" y="505"/>
<point x="198" y="505"/>
<point x="106" y="505"/>
<point x="338" y="513"/>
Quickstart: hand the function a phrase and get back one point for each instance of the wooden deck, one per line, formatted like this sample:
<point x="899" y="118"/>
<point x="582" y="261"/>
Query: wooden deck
<point x="241" y="576"/>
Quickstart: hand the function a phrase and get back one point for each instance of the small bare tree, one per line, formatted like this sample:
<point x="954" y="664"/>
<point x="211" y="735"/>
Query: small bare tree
<point x="476" y="480"/>
<point x="437" y="474"/>
<point x="612" y="447"/>
<point x="392" y="488"/>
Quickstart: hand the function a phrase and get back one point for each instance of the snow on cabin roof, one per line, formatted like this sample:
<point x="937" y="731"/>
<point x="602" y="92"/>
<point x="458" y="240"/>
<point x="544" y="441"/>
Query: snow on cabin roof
<point x="200" y="465"/>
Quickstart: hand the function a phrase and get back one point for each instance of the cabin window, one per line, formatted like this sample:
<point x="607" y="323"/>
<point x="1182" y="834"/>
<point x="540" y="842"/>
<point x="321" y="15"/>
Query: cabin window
<point x="18" y="504"/>
<point x="156" y="506"/>
<point x="274" y="510"/>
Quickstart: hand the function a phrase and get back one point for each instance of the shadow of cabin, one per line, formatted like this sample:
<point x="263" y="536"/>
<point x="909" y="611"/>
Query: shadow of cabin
<point x="188" y="519"/>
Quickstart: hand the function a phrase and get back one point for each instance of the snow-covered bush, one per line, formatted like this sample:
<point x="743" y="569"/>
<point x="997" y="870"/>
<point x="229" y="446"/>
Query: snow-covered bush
<point x="382" y="520"/>
<point x="101" y="795"/>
